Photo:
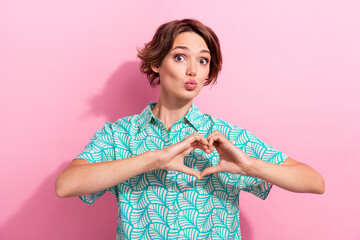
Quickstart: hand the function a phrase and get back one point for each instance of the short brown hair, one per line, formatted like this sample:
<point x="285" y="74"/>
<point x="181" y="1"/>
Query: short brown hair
<point x="155" y="50"/>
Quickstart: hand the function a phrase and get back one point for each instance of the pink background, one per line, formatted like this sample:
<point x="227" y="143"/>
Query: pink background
<point x="291" y="76"/>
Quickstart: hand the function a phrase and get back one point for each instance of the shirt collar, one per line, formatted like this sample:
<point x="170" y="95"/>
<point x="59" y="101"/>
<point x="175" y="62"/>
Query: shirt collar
<point x="193" y="116"/>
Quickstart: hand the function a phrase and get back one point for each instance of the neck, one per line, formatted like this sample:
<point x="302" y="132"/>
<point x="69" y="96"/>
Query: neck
<point x="169" y="111"/>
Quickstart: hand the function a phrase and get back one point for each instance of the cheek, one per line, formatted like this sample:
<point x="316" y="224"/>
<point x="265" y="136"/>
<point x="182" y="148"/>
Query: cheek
<point x="173" y="72"/>
<point x="205" y="73"/>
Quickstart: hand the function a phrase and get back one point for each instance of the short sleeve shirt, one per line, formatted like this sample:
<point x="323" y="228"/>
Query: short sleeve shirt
<point x="162" y="204"/>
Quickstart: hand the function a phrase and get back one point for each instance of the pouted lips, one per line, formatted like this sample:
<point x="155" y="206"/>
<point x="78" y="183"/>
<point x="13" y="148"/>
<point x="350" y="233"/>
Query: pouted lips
<point x="190" y="85"/>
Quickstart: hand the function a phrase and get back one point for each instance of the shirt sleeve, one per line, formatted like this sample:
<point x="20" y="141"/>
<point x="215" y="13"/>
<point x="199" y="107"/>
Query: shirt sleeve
<point x="100" y="149"/>
<point x="255" y="148"/>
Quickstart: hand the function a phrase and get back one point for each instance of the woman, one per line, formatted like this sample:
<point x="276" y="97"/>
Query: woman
<point x="175" y="171"/>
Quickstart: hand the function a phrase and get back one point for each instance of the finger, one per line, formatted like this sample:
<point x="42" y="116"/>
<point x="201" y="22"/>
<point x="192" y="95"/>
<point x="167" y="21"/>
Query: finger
<point x="211" y="138"/>
<point x="216" y="139"/>
<point x="202" y="146"/>
<point x="220" y="137"/>
<point x="200" y="142"/>
<point x="209" y="170"/>
<point x="211" y="141"/>
<point x="196" y="145"/>
<point x="213" y="134"/>
<point x="188" y="150"/>
<point x="205" y="148"/>
<point x="185" y="145"/>
<point x="201" y="139"/>
<point x="190" y="171"/>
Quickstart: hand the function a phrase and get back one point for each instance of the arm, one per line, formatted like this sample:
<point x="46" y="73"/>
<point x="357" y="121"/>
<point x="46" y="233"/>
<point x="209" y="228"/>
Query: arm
<point x="82" y="178"/>
<point x="290" y="175"/>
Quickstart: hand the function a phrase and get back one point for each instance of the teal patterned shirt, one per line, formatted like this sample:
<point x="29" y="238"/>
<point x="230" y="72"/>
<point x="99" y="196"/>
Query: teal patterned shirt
<point x="164" y="204"/>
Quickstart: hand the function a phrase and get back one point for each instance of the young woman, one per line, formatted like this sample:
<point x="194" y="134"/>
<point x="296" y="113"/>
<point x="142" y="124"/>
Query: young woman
<point x="175" y="172"/>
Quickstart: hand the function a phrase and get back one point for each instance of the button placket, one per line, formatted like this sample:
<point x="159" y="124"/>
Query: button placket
<point x="165" y="133"/>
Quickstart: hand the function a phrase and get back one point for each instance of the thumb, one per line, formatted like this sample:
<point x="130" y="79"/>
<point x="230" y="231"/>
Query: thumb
<point x="210" y="170"/>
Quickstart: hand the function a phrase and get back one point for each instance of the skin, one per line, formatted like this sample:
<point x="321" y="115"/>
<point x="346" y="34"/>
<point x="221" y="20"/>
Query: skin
<point x="185" y="61"/>
<point x="188" y="58"/>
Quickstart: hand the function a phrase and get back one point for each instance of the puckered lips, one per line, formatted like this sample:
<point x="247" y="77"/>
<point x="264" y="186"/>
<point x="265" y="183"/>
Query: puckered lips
<point x="190" y="84"/>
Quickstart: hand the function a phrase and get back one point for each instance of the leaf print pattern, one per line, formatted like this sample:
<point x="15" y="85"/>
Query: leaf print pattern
<point x="163" y="204"/>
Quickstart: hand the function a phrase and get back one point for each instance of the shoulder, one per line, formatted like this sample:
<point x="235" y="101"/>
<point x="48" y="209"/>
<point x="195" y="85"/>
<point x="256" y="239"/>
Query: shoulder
<point x="126" y="123"/>
<point x="130" y="124"/>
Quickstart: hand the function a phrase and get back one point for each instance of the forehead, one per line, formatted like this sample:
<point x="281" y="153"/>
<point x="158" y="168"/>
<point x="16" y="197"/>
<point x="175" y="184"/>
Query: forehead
<point x="190" y="40"/>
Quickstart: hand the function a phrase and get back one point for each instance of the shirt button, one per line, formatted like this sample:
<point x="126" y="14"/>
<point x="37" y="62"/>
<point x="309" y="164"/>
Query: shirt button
<point x="174" y="208"/>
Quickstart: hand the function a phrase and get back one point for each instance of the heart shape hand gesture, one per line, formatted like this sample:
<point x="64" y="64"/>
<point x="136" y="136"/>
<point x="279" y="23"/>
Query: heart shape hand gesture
<point x="232" y="159"/>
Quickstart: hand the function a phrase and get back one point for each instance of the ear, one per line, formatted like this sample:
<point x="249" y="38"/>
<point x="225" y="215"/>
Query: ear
<point x="155" y="69"/>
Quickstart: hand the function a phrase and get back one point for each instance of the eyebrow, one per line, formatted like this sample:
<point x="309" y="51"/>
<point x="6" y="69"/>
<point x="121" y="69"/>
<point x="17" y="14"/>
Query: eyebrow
<point x="186" y="48"/>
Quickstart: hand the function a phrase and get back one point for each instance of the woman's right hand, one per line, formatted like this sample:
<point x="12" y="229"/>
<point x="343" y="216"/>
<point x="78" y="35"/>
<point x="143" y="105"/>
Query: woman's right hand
<point x="171" y="158"/>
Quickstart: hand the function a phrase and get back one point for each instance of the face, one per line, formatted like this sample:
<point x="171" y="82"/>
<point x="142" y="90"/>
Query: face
<point x="185" y="68"/>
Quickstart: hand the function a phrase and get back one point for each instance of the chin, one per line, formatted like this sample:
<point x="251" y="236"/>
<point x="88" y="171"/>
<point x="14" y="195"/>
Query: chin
<point x="191" y="95"/>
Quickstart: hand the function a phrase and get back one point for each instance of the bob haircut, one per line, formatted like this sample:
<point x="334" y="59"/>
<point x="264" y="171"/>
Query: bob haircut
<point x="154" y="51"/>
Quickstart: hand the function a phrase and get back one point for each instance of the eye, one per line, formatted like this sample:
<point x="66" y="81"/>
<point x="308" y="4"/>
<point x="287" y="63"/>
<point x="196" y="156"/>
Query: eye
<point x="179" y="58"/>
<point x="203" y="61"/>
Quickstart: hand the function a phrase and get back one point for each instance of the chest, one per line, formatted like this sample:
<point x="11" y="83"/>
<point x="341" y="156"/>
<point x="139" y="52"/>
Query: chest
<point x="133" y="141"/>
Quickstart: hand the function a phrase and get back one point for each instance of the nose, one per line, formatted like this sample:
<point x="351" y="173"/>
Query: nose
<point x="191" y="68"/>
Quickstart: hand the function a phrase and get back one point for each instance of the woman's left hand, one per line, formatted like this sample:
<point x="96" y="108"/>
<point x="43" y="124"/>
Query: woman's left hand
<point x="290" y="175"/>
<point x="232" y="158"/>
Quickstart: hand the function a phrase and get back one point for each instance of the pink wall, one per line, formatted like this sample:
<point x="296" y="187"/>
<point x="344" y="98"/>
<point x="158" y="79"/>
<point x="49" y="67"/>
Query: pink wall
<point x="291" y="76"/>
